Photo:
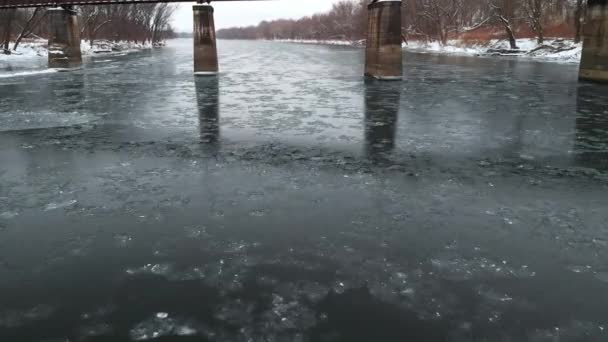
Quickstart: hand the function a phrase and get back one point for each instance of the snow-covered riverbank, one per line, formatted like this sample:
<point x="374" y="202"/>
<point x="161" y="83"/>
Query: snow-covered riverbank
<point x="321" y="42"/>
<point x="38" y="49"/>
<point x="554" y="50"/>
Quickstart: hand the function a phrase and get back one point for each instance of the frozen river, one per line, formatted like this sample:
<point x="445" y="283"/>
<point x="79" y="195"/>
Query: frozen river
<point x="289" y="200"/>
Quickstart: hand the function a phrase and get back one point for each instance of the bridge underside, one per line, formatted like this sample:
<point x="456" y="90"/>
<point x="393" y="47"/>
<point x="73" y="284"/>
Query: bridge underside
<point x="54" y="3"/>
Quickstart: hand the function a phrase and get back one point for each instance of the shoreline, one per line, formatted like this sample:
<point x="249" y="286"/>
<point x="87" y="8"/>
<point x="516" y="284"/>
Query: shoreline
<point x="556" y="50"/>
<point x="38" y="49"/>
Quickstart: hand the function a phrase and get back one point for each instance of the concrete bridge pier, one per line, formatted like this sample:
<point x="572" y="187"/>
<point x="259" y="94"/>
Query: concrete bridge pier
<point x="594" y="62"/>
<point x="64" y="38"/>
<point x="205" y="48"/>
<point x="383" y="53"/>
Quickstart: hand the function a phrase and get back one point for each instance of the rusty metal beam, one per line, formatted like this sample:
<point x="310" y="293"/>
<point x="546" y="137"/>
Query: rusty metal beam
<point x="53" y="3"/>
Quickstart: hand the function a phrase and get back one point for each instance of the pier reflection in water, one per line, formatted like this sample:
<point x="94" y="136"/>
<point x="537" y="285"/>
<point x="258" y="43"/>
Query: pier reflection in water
<point x="51" y="102"/>
<point x="207" y="100"/>
<point x="382" y="103"/>
<point x="591" y="145"/>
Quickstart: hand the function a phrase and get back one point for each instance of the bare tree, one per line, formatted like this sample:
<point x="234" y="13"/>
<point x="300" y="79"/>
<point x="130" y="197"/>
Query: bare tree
<point x="37" y="15"/>
<point x="503" y="11"/>
<point x="92" y="20"/>
<point x="578" y="20"/>
<point x="444" y="15"/>
<point x="534" y="13"/>
<point x="160" y="21"/>
<point x="9" y="17"/>
<point x="134" y="22"/>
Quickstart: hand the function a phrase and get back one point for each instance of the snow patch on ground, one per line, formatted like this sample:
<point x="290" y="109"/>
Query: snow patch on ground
<point x="39" y="49"/>
<point x="28" y="73"/>
<point x="436" y="47"/>
<point x="555" y="50"/>
<point x="322" y="42"/>
<point x="104" y="46"/>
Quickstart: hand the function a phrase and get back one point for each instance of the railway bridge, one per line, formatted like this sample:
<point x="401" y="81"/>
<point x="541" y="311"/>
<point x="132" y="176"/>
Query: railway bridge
<point x="383" y="47"/>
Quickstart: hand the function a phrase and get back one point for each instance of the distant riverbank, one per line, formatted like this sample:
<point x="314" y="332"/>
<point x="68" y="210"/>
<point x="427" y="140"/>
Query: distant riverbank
<point x="552" y="50"/>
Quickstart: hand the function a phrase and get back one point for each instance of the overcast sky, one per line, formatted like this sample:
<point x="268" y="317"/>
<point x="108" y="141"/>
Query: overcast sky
<point x="229" y="14"/>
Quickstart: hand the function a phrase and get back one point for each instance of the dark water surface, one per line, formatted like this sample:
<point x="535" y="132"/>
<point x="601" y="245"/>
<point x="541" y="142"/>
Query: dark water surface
<point x="289" y="200"/>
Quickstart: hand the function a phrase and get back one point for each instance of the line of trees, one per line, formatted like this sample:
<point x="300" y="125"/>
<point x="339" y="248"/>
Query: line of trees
<point x="134" y="23"/>
<point x="431" y="20"/>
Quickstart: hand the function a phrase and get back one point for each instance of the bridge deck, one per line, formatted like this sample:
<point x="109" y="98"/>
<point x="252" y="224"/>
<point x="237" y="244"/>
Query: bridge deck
<point x="52" y="3"/>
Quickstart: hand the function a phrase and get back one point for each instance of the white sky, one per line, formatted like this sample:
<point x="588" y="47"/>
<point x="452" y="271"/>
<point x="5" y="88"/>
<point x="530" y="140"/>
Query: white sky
<point x="229" y="14"/>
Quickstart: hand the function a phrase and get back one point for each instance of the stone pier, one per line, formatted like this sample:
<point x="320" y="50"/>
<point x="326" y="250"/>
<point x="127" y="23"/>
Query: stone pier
<point x="205" y="48"/>
<point x="64" y="38"/>
<point x="383" y="54"/>
<point x="594" y="62"/>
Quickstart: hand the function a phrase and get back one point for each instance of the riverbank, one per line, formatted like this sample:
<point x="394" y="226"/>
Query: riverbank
<point x="552" y="50"/>
<point x="38" y="49"/>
